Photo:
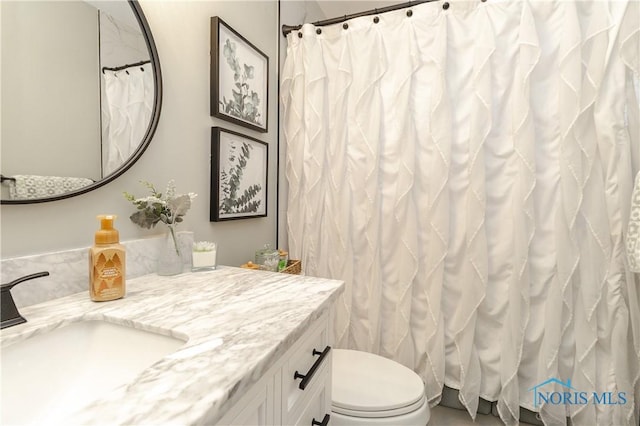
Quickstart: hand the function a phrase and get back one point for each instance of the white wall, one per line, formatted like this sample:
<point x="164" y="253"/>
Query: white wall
<point x="120" y="43"/>
<point x="179" y="150"/>
<point x="43" y="54"/>
<point x="337" y="8"/>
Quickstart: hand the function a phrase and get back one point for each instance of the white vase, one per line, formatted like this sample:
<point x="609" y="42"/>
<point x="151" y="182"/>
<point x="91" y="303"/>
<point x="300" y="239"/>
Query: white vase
<point x="169" y="257"/>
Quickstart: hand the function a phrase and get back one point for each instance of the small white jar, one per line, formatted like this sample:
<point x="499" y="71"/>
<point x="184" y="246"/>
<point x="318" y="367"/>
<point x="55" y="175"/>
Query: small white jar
<point x="204" y="256"/>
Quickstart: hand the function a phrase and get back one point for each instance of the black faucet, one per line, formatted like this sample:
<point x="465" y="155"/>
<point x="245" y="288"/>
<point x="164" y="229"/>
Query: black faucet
<point x="9" y="311"/>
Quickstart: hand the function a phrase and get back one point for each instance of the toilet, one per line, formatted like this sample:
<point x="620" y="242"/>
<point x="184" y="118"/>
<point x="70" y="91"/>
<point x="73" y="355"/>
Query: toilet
<point x="368" y="389"/>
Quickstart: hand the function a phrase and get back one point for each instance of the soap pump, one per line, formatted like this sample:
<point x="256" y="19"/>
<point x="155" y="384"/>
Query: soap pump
<point x="107" y="263"/>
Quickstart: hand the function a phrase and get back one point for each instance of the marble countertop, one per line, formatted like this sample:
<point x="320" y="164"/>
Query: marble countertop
<point x="257" y="314"/>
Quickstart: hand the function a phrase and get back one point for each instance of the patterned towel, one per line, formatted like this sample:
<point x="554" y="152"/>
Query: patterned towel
<point x="633" y="234"/>
<point x="30" y="187"/>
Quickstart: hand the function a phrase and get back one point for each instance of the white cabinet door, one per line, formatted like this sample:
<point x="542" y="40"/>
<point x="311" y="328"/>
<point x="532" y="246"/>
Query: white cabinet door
<point x="316" y="408"/>
<point x="277" y="398"/>
<point x="305" y="358"/>
<point x="255" y="408"/>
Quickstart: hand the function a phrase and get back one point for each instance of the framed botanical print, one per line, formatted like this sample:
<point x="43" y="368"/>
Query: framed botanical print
<point x="239" y="166"/>
<point x="239" y="78"/>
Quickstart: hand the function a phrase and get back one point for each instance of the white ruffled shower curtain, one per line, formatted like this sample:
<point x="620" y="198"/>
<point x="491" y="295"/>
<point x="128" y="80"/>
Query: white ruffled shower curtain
<point x="126" y="112"/>
<point x="468" y="173"/>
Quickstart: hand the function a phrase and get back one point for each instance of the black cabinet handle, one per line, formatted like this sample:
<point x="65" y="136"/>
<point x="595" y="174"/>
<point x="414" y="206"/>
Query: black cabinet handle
<point x="306" y="378"/>
<point x="324" y="422"/>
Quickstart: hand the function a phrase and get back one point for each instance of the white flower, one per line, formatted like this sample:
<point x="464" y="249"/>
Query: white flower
<point x="151" y="200"/>
<point x="204" y="246"/>
<point x="170" y="191"/>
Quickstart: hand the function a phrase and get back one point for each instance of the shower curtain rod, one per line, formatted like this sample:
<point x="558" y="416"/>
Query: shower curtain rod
<point x="286" y="29"/>
<point x="120" y="68"/>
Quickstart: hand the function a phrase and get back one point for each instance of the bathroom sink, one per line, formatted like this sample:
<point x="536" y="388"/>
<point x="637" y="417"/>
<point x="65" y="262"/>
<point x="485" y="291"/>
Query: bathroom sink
<point x="49" y="376"/>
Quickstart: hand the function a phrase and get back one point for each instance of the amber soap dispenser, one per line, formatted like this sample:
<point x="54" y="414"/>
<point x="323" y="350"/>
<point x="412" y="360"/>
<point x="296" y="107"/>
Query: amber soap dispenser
<point x="106" y="263"/>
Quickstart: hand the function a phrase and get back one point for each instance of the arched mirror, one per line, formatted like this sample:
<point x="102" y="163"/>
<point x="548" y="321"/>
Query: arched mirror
<point x="81" y="95"/>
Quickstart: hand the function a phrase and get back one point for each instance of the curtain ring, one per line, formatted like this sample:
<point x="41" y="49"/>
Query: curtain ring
<point x="345" y="25"/>
<point x="376" y="20"/>
<point x="299" y="34"/>
<point x="409" y="13"/>
<point x="445" y="6"/>
<point x="318" y="31"/>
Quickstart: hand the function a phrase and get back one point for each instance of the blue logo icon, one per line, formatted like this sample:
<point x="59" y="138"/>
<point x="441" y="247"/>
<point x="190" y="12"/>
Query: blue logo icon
<point x="572" y="396"/>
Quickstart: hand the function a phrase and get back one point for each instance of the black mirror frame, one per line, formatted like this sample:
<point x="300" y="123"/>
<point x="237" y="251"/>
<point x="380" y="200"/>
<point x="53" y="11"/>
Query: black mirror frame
<point x="151" y="129"/>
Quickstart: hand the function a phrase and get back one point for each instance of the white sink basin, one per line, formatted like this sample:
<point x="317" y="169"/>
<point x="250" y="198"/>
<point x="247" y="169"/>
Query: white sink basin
<point x="49" y="376"/>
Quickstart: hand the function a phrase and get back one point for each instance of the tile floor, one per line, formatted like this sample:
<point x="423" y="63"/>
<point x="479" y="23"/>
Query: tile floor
<point x="444" y="416"/>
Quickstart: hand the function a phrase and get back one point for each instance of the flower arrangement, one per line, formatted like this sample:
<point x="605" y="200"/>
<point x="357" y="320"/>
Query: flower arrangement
<point x="168" y="208"/>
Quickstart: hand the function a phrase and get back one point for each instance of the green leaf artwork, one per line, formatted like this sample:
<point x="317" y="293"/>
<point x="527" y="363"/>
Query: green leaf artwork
<point x="245" y="102"/>
<point x="232" y="198"/>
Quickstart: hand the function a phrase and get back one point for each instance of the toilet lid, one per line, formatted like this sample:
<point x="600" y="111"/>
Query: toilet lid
<point x="369" y="385"/>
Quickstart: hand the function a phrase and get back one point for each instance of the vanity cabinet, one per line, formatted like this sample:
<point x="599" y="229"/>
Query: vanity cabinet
<point x="278" y="397"/>
<point x="250" y="347"/>
<point x="256" y="408"/>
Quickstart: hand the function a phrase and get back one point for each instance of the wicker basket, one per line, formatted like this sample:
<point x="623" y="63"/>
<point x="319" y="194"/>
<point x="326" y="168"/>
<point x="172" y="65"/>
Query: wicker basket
<point x="294" y="267"/>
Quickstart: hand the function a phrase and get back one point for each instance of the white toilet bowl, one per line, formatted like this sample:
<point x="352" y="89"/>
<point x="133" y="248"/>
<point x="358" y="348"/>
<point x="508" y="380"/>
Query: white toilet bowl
<point x="368" y="389"/>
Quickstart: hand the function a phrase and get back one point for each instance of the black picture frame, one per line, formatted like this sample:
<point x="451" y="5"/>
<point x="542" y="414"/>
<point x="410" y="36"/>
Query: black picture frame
<point x="239" y="176"/>
<point x="239" y="78"/>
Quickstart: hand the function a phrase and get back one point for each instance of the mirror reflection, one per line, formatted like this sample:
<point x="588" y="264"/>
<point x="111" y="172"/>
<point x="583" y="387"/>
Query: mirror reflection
<point x="77" y="94"/>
